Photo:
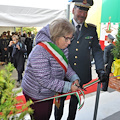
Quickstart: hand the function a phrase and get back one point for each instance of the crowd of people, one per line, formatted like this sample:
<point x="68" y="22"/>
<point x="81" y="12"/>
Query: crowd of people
<point x="16" y="48"/>
<point x="6" y="37"/>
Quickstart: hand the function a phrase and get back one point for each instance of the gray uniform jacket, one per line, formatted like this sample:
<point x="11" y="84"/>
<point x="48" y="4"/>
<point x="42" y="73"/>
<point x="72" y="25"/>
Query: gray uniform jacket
<point x="79" y="52"/>
<point x="108" y="57"/>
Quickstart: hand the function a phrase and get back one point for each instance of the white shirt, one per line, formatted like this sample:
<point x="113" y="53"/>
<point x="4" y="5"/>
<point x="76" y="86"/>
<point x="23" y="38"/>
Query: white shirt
<point x="75" y="23"/>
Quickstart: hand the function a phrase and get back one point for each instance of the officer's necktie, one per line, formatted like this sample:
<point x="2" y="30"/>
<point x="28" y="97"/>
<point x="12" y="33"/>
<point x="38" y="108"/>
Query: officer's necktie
<point x="77" y="29"/>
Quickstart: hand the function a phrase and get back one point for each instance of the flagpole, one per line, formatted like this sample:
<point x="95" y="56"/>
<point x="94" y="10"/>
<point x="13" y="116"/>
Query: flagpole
<point x="68" y="12"/>
<point x="97" y="100"/>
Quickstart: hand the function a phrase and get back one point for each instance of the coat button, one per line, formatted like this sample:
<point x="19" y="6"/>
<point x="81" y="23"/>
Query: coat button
<point x="76" y="49"/>
<point x="75" y="64"/>
<point x="76" y="57"/>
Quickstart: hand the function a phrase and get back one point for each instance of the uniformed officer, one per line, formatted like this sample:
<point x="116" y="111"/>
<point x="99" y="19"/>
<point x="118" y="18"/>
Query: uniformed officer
<point x="108" y="59"/>
<point x="85" y="40"/>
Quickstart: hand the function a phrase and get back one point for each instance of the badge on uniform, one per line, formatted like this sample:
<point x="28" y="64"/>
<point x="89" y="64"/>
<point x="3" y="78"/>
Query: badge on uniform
<point x="89" y="37"/>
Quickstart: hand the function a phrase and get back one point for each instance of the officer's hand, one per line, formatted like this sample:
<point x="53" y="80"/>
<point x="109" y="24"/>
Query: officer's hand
<point x="102" y="75"/>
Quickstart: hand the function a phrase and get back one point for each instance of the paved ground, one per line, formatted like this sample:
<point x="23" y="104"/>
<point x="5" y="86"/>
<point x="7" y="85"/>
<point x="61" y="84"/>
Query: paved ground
<point x="108" y="107"/>
<point x="109" y="104"/>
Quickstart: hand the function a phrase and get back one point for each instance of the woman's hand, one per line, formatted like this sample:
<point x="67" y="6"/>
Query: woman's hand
<point x="76" y="82"/>
<point x="18" y="47"/>
<point x="75" y="85"/>
<point x="74" y="88"/>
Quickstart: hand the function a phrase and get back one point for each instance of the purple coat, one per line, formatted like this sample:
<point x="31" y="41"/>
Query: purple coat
<point x="43" y="75"/>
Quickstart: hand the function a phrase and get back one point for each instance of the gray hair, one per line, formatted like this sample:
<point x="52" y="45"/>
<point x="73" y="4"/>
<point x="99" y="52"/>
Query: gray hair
<point x="60" y="27"/>
<point x="15" y="36"/>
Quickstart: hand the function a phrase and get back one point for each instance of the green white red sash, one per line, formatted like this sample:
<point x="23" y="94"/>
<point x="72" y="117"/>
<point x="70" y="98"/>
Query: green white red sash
<point x="57" y="53"/>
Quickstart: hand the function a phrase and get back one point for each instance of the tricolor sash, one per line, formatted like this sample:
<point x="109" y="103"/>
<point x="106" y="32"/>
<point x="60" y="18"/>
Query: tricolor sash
<point x="57" y="53"/>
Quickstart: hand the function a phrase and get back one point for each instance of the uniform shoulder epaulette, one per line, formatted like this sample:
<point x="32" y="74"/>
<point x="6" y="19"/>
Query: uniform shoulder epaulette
<point x="90" y="24"/>
<point x="71" y="21"/>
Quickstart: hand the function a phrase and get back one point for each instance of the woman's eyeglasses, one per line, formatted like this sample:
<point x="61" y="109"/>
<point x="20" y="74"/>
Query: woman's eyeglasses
<point x="68" y="38"/>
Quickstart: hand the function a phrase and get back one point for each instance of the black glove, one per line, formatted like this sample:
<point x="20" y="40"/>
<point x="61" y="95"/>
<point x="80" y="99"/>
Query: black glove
<point x="102" y="75"/>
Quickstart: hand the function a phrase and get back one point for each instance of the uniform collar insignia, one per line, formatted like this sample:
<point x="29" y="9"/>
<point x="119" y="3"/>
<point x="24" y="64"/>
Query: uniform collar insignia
<point x="70" y="21"/>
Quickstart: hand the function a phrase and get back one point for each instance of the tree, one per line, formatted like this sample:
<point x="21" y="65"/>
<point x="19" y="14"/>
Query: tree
<point x="27" y="29"/>
<point x="116" y="50"/>
<point x="8" y="99"/>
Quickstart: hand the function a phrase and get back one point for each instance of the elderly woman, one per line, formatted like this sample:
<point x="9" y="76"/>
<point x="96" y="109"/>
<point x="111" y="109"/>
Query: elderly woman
<point x="47" y="67"/>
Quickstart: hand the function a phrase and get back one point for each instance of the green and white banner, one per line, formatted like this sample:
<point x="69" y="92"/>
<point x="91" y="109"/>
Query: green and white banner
<point x="110" y="19"/>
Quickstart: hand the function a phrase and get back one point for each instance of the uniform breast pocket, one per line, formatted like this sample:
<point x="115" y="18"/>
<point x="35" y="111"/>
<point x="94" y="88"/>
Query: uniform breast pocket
<point x="89" y="41"/>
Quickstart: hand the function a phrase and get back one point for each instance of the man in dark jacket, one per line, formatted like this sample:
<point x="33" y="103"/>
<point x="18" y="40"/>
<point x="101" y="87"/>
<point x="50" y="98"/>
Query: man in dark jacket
<point x="85" y="40"/>
<point x="108" y="59"/>
<point x="4" y="44"/>
<point x="28" y="43"/>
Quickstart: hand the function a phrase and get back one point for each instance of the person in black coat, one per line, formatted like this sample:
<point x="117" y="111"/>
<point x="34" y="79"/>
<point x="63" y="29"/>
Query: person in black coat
<point x="108" y="60"/>
<point x="85" y="40"/>
<point x="4" y="41"/>
<point x="18" y="50"/>
<point x="28" y="43"/>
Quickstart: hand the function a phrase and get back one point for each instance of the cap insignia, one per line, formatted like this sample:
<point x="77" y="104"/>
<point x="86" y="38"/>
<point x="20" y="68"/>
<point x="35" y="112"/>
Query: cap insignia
<point x="84" y="1"/>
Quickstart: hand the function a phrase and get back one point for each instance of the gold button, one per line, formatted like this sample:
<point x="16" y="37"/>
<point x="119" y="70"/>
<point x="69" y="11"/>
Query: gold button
<point x="77" y="41"/>
<point x="75" y="64"/>
<point x="76" y="57"/>
<point x="76" y="49"/>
